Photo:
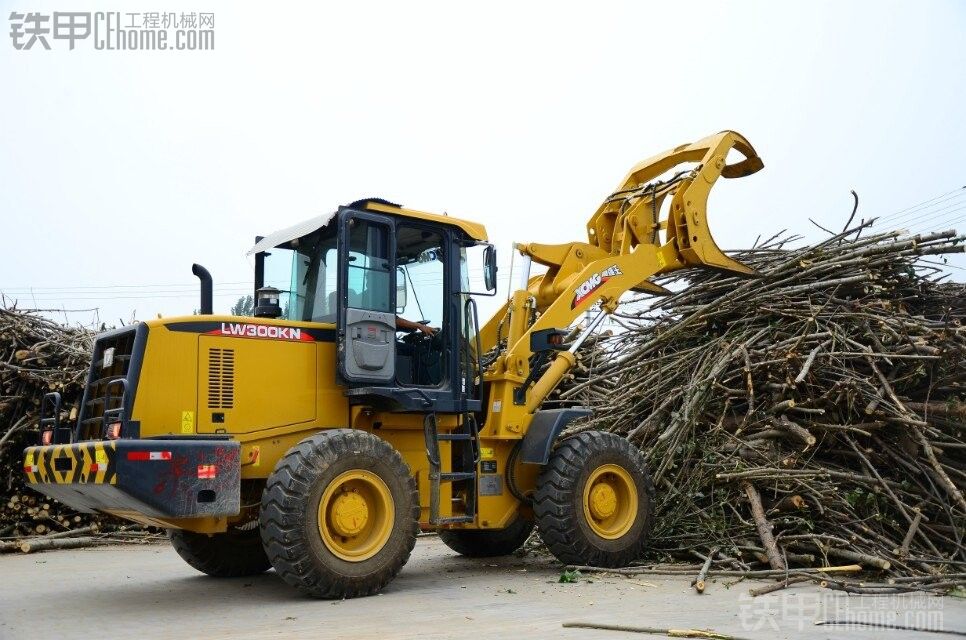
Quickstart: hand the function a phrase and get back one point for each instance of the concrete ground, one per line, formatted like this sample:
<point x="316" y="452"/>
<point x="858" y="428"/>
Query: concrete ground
<point x="147" y="592"/>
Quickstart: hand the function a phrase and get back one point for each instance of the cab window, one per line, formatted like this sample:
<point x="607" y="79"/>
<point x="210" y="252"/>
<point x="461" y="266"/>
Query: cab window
<point x="369" y="266"/>
<point x="305" y="270"/>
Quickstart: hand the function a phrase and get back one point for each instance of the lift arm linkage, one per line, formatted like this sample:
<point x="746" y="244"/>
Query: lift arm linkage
<point x="623" y="250"/>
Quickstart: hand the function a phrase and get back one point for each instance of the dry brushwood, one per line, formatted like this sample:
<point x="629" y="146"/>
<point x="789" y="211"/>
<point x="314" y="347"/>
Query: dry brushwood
<point x="37" y="356"/>
<point x="829" y="390"/>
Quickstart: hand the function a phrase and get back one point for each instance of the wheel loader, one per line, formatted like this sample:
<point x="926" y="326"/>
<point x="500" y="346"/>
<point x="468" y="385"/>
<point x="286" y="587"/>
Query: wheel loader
<point x="319" y="436"/>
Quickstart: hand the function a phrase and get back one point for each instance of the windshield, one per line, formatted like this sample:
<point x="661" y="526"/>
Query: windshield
<point x="305" y="270"/>
<point x="422" y="278"/>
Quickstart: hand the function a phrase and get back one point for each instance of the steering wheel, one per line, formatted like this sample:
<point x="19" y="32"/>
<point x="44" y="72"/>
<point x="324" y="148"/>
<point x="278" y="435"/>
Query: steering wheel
<point x="425" y="352"/>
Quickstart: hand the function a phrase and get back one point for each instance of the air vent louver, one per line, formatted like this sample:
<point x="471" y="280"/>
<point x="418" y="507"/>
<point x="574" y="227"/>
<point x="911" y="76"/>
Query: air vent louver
<point x="221" y="378"/>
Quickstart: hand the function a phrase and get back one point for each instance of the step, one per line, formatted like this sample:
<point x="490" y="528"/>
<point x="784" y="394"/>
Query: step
<point x="456" y="476"/>
<point x="454" y="520"/>
<point x="454" y="436"/>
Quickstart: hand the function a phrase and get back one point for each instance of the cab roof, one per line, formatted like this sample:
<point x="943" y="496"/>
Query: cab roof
<point x="474" y="230"/>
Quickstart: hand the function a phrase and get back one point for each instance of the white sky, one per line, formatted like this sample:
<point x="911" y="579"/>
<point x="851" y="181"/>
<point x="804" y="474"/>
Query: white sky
<point x="120" y="169"/>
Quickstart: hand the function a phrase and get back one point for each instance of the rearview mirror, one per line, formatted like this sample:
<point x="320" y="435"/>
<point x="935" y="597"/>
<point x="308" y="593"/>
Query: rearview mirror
<point x="489" y="268"/>
<point x="400" y="290"/>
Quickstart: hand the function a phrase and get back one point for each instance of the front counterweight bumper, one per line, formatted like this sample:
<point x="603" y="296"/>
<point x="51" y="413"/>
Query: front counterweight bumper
<point x="161" y="478"/>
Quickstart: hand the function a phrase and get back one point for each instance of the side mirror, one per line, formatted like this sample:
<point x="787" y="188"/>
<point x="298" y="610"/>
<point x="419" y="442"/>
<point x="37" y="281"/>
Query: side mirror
<point x="400" y="290"/>
<point x="489" y="268"/>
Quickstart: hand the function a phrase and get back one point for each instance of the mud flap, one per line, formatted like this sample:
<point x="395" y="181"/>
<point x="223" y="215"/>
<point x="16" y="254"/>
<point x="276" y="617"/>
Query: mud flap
<point x="544" y="429"/>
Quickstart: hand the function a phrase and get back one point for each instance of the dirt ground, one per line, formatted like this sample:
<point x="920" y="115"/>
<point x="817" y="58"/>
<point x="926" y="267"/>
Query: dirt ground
<point x="148" y="592"/>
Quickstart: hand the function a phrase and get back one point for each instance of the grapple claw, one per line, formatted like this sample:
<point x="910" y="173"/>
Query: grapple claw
<point x="630" y="216"/>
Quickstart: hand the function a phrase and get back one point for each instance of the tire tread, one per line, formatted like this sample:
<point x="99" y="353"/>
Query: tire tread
<point x="557" y="493"/>
<point x="488" y="543"/>
<point x="282" y="513"/>
<point x="221" y="555"/>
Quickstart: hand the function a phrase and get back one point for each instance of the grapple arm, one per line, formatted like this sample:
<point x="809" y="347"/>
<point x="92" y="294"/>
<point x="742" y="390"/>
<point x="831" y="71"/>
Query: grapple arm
<point x="624" y="249"/>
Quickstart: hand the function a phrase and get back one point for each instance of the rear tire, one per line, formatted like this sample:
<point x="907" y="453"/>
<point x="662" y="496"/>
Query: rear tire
<point x="594" y="502"/>
<point x="232" y="554"/>
<point x="488" y="543"/>
<point x="340" y="514"/>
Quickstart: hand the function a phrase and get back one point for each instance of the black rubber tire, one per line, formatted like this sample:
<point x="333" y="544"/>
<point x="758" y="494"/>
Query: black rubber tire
<point x="232" y="554"/>
<point x="289" y="511"/>
<point x="558" y="501"/>
<point x="488" y="543"/>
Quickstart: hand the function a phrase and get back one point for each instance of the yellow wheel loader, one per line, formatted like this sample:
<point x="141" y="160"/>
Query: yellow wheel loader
<point x="363" y="401"/>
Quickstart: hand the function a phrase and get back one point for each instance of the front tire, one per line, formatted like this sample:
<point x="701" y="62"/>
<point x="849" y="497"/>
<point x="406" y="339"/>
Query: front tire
<point x="340" y="514"/>
<point x="488" y="543"/>
<point x="594" y="502"/>
<point x="235" y="553"/>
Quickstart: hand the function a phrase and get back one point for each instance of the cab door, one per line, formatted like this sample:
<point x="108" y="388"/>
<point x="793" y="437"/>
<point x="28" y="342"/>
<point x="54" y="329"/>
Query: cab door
<point x="367" y="298"/>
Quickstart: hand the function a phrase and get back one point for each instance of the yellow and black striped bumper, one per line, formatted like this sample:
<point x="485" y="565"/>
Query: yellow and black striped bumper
<point x="159" y="478"/>
<point x="90" y="462"/>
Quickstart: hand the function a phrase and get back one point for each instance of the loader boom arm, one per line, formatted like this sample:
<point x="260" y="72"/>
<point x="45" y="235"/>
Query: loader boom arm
<point x="623" y="251"/>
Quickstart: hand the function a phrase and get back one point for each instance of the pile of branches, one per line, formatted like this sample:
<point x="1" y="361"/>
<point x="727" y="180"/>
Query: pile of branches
<point x="808" y="417"/>
<point x="37" y="356"/>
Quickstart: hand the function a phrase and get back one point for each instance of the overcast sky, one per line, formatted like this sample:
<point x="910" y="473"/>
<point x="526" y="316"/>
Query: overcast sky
<point x="120" y="169"/>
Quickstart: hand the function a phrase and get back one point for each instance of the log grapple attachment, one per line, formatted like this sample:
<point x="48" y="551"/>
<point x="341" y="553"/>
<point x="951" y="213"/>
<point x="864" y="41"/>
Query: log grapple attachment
<point x="631" y="215"/>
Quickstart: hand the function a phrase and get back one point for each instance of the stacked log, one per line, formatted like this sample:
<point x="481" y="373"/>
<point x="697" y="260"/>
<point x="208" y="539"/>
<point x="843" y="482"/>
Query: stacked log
<point x="38" y="356"/>
<point x="813" y="415"/>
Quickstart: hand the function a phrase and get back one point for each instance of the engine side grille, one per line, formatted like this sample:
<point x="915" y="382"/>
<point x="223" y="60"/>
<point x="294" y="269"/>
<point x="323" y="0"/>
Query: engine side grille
<point x="113" y="352"/>
<point x="221" y="378"/>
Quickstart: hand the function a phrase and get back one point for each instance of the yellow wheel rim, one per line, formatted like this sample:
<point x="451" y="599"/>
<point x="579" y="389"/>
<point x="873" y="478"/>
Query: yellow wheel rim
<point x="610" y="501"/>
<point x="356" y="515"/>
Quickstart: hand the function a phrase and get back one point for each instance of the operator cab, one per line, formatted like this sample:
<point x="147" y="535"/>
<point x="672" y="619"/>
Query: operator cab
<point x="366" y="269"/>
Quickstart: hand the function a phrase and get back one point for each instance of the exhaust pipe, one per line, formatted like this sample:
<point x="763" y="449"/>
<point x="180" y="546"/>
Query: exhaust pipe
<point x="206" y="288"/>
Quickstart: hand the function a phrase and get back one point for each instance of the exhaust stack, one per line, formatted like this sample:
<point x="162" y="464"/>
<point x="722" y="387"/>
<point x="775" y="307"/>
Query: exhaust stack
<point x="206" y="288"/>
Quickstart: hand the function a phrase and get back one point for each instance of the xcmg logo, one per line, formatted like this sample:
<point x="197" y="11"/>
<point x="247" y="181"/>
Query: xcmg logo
<point x="261" y="331"/>
<point x="591" y="284"/>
